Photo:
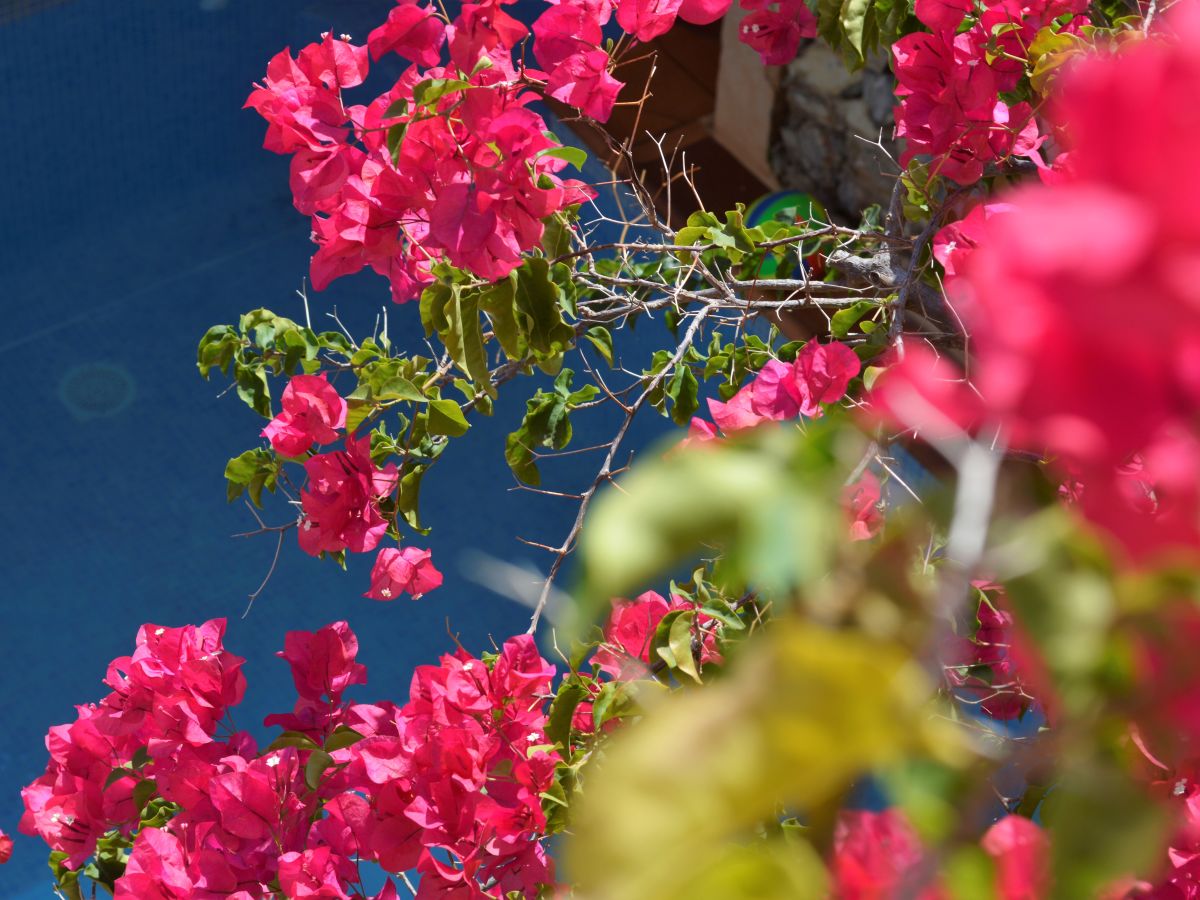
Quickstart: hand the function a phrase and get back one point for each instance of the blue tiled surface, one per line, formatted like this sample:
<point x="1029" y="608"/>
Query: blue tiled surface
<point x="139" y="210"/>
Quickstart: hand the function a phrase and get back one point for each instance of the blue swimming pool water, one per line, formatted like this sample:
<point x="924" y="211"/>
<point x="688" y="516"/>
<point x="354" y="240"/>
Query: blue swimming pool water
<point x="139" y="210"/>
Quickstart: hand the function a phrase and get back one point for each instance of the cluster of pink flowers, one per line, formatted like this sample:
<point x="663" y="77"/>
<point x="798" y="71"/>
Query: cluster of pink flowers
<point x="167" y="699"/>
<point x="874" y="852"/>
<point x="341" y="500"/>
<point x="568" y="38"/>
<point x="313" y="413"/>
<point x="950" y="82"/>
<point x="449" y="784"/>
<point x="774" y="28"/>
<point x="450" y="163"/>
<point x="1081" y="303"/>
<point x="820" y="374"/>
<point x="984" y="667"/>
<point x="468" y="182"/>
<point x="861" y="501"/>
<point x="625" y="653"/>
<point x="567" y="41"/>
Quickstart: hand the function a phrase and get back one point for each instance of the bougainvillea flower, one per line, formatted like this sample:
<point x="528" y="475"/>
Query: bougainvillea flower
<point x="311" y="875"/>
<point x="949" y="87"/>
<point x="334" y="63"/>
<point x="175" y="686"/>
<point x="737" y="413"/>
<point x="926" y="394"/>
<point x="448" y="190"/>
<point x="775" y="34"/>
<point x="647" y="19"/>
<point x="989" y="666"/>
<point x="564" y="30"/>
<point x="772" y="396"/>
<point x="1021" y="852"/>
<point x="583" y="81"/>
<point x="323" y="661"/>
<point x="861" y="503"/>
<point x="625" y="653"/>
<point x="249" y="800"/>
<point x="1047" y="302"/>
<point x="397" y="571"/>
<point x="456" y="774"/>
<point x="702" y="12"/>
<point x="872" y="851"/>
<point x="301" y="112"/>
<point x="339" y="503"/>
<point x="316" y="177"/>
<point x="953" y="243"/>
<point x="412" y="30"/>
<point x="155" y="870"/>
<point x="821" y="374"/>
<point x="700" y="431"/>
<point x="943" y="15"/>
<point x="313" y="413"/>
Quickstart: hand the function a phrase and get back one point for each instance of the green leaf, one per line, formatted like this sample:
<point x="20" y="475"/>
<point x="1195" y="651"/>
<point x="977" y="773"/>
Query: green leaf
<point x="433" y="307"/>
<point x="844" y="320"/>
<point x="520" y="444"/>
<point x="723" y="615"/>
<point x="294" y="739"/>
<point x="601" y="338"/>
<point x="341" y="738"/>
<point x="537" y="300"/>
<point x="463" y="338"/>
<point x="970" y="874"/>
<point x="217" y="349"/>
<point x="616" y="700"/>
<point x="446" y="417"/>
<point x="573" y="155"/>
<point x="357" y="413"/>
<point x="66" y="879"/>
<point x="766" y="494"/>
<point x="117" y="774"/>
<point x="253" y="388"/>
<point x="854" y="16"/>
<point x="397" y="109"/>
<point x="497" y="301"/>
<point x="1088" y="852"/>
<point x="431" y="90"/>
<point x="684" y="392"/>
<point x="570" y="694"/>
<point x="697" y="231"/>
<point x="673" y="642"/>
<point x="253" y="470"/>
<point x="399" y="388"/>
<point x="408" y="497"/>
<point x="142" y="792"/>
<point x="318" y="762"/>
<point x="546" y="423"/>
<point x="556" y="238"/>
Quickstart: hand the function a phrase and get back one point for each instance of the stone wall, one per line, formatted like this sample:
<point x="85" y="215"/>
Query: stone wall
<point x="822" y="112"/>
